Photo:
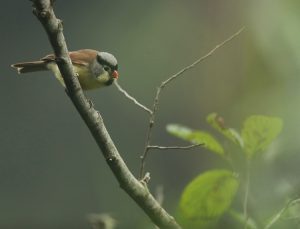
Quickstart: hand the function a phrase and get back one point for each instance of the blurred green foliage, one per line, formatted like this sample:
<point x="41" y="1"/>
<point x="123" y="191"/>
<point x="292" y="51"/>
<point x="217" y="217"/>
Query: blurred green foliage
<point x="258" y="132"/>
<point x="209" y="196"/>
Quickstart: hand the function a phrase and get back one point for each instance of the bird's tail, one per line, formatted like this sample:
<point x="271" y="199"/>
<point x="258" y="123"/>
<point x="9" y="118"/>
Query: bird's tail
<point x="32" y="66"/>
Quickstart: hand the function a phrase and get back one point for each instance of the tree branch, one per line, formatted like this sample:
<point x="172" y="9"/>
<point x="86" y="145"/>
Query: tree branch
<point x="136" y="190"/>
<point x="164" y="84"/>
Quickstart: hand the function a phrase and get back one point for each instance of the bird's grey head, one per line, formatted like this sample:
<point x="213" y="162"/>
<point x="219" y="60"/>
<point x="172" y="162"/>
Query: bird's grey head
<point x="109" y="65"/>
<point x="107" y="59"/>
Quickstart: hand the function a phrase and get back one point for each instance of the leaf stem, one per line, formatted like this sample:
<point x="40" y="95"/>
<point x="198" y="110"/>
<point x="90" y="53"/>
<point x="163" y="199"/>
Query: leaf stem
<point x="246" y="198"/>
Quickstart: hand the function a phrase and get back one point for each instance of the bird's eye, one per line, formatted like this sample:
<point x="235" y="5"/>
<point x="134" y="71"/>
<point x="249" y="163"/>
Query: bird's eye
<point x="106" y="68"/>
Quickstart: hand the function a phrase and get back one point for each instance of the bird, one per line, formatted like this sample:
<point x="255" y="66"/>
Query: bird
<point x="93" y="68"/>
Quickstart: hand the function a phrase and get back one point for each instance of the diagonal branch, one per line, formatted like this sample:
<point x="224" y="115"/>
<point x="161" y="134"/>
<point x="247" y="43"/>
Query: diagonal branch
<point x="135" y="189"/>
<point x="164" y="84"/>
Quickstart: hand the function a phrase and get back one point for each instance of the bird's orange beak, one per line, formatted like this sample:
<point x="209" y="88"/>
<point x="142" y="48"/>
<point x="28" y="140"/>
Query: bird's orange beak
<point x="115" y="74"/>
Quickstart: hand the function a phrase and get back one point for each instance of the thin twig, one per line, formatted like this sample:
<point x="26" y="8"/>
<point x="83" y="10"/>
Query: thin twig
<point x="165" y="83"/>
<point x="131" y="98"/>
<point x="202" y="58"/>
<point x="173" y="147"/>
<point x="134" y="188"/>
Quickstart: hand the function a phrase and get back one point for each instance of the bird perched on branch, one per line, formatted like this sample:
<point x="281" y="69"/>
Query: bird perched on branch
<point x="94" y="69"/>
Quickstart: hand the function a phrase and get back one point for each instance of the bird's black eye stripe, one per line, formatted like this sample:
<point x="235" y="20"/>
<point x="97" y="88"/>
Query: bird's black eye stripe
<point x="106" y="68"/>
<point x="106" y="63"/>
<point x="102" y="61"/>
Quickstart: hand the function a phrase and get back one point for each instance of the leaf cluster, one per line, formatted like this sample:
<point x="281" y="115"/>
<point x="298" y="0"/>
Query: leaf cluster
<point x="209" y="196"/>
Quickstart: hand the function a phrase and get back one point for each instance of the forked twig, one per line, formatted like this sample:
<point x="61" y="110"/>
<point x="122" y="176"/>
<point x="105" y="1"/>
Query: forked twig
<point x="165" y="83"/>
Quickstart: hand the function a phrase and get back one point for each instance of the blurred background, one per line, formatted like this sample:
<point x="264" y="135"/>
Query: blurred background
<point x="52" y="174"/>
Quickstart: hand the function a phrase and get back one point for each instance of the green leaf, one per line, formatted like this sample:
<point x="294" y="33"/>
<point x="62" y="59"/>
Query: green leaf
<point x="217" y="122"/>
<point x="258" y="132"/>
<point x="196" y="137"/>
<point x="206" y="198"/>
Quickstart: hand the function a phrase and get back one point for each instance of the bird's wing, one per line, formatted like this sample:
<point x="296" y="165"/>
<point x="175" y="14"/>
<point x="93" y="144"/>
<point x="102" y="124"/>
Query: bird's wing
<point x="81" y="57"/>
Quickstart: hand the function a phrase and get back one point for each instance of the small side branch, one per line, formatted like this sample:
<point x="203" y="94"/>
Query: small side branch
<point x="164" y="84"/>
<point x="174" y="147"/>
<point x="131" y="98"/>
